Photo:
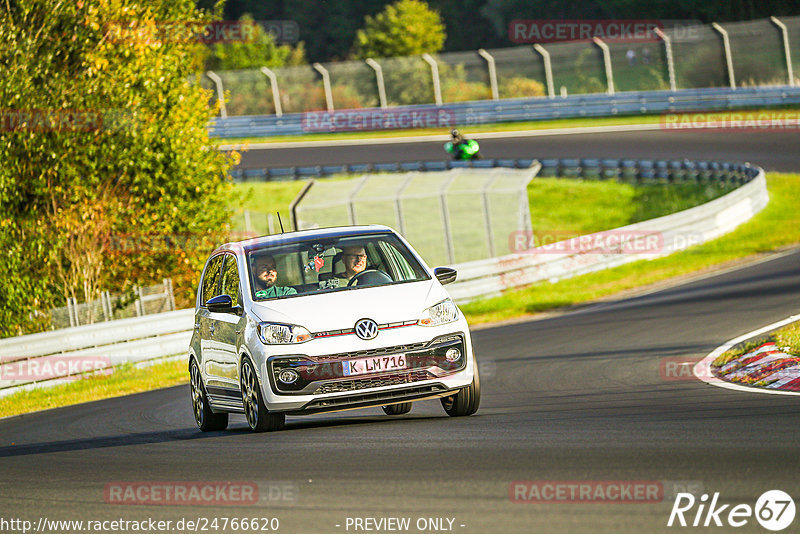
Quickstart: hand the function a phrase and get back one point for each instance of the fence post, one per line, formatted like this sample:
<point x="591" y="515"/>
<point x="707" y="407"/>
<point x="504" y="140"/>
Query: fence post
<point x="326" y="84"/>
<point x="548" y="69"/>
<point x="139" y="303"/>
<point x="105" y="299"/>
<point x="786" y="50"/>
<point x="379" y="81"/>
<point x="670" y="61"/>
<point x="351" y="201"/>
<point x="170" y="294"/>
<point x="487" y="216"/>
<point x="276" y="96"/>
<point x="728" y="58"/>
<point x="72" y="311"/>
<point x="248" y="227"/>
<point x="492" y="72"/>
<point x="448" y="235"/>
<point x="223" y="112"/>
<point x="437" y="88"/>
<point x="607" y="61"/>
<point x="398" y="203"/>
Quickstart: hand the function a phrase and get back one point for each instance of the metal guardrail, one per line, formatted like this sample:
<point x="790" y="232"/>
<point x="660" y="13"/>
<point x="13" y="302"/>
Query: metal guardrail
<point x="274" y="174"/>
<point x="646" y="240"/>
<point x="510" y="110"/>
<point x="139" y="339"/>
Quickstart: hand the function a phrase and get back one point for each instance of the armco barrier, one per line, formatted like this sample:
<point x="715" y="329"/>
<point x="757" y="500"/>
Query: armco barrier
<point x="515" y="110"/>
<point x="155" y="336"/>
<point x="102" y="345"/>
<point x="580" y="255"/>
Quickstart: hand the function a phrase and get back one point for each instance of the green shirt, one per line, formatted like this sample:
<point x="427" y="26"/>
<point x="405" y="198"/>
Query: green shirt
<point x="275" y="291"/>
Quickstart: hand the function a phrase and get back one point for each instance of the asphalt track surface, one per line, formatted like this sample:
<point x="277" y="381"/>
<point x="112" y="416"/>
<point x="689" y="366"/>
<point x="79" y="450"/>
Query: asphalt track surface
<point x="772" y="150"/>
<point x="581" y="396"/>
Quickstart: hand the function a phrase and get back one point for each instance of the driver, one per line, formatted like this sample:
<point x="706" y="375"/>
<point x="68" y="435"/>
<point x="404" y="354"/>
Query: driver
<point x="266" y="271"/>
<point x="355" y="261"/>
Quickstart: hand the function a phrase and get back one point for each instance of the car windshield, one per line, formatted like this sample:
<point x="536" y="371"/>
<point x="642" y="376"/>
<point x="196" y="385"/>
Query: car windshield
<point x="331" y="264"/>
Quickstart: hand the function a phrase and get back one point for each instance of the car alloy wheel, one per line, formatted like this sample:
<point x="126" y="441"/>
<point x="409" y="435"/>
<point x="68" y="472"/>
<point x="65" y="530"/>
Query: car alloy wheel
<point x="206" y="419"/>
<point x="255" y="411"/>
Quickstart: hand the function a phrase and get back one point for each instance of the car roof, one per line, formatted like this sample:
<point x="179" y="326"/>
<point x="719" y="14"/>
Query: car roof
<point x="288" y="238"/>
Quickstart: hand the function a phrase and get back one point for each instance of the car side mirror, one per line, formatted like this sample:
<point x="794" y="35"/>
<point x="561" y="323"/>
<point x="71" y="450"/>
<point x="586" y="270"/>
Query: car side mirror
<point x="220" y="304"/>
<point x="445" y="275"/>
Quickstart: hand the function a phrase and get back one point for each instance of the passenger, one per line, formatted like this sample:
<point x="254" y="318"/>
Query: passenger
<point x="355" y="261"/>
<point x="266" y="274"/>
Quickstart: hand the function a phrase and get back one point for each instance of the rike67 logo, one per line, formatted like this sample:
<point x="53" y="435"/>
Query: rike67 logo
<point x="774" y="510"/>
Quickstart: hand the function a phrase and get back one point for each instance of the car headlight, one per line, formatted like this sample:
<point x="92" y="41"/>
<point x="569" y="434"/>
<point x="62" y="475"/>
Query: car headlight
<point x="282" y="334"/>
<point x="441" y="313"/>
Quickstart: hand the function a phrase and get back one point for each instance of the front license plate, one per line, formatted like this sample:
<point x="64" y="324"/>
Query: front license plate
<point x="376" y="364"/>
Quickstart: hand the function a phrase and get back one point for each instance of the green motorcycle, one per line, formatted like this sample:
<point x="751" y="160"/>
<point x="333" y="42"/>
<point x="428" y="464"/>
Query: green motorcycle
<point x="464" y="150"/>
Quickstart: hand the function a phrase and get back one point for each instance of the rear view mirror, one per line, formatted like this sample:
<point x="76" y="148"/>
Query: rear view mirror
<point x="445" y="275"/>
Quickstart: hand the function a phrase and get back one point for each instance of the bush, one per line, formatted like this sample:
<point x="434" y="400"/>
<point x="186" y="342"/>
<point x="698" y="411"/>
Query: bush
<point x="106" y="176"/>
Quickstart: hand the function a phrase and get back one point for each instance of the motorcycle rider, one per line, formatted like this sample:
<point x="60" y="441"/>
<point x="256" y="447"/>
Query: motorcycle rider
<point x="458" y="144"/>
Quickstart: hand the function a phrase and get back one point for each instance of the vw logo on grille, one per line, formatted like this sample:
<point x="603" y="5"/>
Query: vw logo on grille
<point x="366" y="329"/>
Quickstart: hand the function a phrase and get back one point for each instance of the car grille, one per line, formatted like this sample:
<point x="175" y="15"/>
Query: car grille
<point x="373" y="382"/>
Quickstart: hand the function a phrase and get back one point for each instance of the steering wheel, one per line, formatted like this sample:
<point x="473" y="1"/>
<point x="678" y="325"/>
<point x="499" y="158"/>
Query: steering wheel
<point x="370" y="276"/>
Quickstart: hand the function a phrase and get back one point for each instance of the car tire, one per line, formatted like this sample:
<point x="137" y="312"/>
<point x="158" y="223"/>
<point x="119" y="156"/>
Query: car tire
<point x="466" y="401"/>
<point x="397" y="409"/>
<point x="206" y="420"/>
<point x="258" y="418"/>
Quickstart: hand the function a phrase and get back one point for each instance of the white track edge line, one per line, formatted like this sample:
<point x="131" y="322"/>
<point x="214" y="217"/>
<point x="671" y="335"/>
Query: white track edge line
<point x="701" y="369"/>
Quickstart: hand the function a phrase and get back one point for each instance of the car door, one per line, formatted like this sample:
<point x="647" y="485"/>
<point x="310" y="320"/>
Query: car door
<point x="227" y="325"/>
<point x="209" y="288"/>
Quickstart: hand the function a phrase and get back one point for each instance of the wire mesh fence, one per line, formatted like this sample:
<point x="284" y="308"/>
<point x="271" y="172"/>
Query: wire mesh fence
<point x="140" y="301"/>
<point x="451" y="216"/>
<point x="757" y="56"/>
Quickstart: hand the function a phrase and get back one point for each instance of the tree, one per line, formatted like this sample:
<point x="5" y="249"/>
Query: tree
<point x="405" y="28"/>
<point x="106" y="175"/>
<point x="258" y="50"/>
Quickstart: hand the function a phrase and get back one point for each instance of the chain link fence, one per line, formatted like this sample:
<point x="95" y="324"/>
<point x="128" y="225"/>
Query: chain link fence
<point x="699" y="60"/>
<point x="141" y="301"/>
<point x="451" y="216"/>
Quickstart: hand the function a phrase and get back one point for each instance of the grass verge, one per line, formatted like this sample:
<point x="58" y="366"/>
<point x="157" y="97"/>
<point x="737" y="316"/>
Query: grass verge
<point x="776" y="226"/>
<point x="560" y="206"/>
<point x="124" y="380"/>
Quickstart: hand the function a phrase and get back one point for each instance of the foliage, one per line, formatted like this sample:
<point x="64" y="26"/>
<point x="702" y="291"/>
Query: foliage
<point x="106" y="178"/>
<point x="405" y="28"/>
<point x="259" y="49"/>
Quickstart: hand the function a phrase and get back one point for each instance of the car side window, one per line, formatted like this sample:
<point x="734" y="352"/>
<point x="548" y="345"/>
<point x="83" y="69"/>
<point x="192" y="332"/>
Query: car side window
<point x="211" y="278"/>
<point x="230" y="279"/>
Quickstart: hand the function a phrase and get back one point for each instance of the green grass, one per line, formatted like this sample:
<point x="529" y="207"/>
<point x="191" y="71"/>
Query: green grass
<point x="557" y="205"/>
<point x="786" y="338"/>
<point x="124" y="380"/>
<point x="472" y="129"/>
<point x="777" y="226"/>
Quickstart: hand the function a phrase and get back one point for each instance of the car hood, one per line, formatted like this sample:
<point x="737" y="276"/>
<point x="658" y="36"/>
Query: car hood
<point x="341" y="309"/>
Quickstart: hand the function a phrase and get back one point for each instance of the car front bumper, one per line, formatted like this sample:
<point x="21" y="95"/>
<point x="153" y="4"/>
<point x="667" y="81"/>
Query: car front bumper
<point x="424" y="378"/>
